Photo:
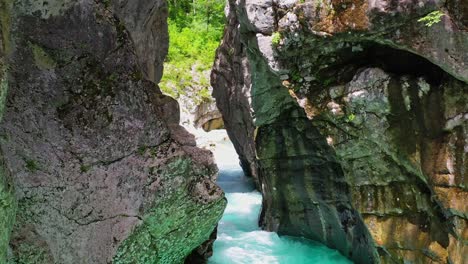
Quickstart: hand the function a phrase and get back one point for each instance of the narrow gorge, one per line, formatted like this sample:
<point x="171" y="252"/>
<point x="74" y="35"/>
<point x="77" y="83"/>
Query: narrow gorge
<point x="349" y="119"/>
<point x="351" y="116"/>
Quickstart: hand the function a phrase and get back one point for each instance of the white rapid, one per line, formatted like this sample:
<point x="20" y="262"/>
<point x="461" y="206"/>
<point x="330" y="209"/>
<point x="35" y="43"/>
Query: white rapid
<point x="240" y="240"/>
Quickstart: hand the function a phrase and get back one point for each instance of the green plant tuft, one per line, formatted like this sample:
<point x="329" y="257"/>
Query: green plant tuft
<point x="85" y="168"/>
<point x="432" y="18"/>
<point x="32" y="166"/>
<point x="275" y="38"/>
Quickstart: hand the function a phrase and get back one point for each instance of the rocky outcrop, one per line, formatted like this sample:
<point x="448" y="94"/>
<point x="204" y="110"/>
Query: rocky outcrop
<point x="102" y="170"/>
<point x="208" y="117"/>
<point x="231" y="83"/>
<point x="381" y="127"/>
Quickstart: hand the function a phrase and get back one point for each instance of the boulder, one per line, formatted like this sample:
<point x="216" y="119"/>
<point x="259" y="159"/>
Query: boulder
<point x="102" y="170"/>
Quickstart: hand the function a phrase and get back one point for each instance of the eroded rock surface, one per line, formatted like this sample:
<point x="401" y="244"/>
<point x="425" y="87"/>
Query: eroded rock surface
<point x="381" y="128"/>
<point x="397" y="140"/>
<point x="231" y="83"/>
<point x="208" y="117"/>
<point x="103" y="172"/>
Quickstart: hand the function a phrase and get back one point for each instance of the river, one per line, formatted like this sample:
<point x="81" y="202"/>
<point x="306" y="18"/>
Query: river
<point x="240" y="240"/>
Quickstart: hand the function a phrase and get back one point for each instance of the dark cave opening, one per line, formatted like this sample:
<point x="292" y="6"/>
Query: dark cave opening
<point x="347" y="62"/>
<point x="401" y="62"/>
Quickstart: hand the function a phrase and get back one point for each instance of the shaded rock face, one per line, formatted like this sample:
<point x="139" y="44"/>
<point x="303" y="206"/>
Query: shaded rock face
<point x="305" y="190"/>
<point x="103" y="172"/>
<point x="396" y="138"/>
<point x="356" y="107"/>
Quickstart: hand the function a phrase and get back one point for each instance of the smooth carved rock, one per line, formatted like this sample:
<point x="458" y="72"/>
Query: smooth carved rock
<point x="388" y="95"/>
<point x="102" y="170"/>
<point x="208" y="116"/>
<point x="401" y="161"/>
<point x="231" y="83"/>
<point x="306" y="194"/>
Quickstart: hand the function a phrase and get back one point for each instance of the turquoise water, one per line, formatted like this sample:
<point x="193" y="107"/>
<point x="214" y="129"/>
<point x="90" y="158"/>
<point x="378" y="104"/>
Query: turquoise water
<point x="240" y="240"/>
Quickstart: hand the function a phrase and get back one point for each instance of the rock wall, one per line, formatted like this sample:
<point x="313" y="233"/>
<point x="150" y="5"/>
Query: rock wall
<point x="8" y="202"/>
<point x="102" y="170"/>
<point x="230" y="79"/>
<point x="355" y="105"/>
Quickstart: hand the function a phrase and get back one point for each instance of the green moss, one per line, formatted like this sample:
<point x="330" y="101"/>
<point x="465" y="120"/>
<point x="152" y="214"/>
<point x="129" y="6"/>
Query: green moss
<point x="121" y="31"/>
<point x="3" y="88"/>
<point x="32" y="165"/>
<point x="42" y="59"/>
<point x="32" y="249"/>
<point x="7" y="198"/>
<point x="106" y="3"/>
<point x="7" y="213"/>
<point x="174" y="226"/>
<point x="85" y="168"/>
<point x="141" y="150"/>
<point x="30" y="254"/>
<point x="53" y="8"/>
<point x="351" y="117"/>
<point x="5" y="25"/>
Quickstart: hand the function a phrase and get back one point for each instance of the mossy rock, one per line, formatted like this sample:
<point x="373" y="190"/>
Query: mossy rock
<point x="175" y="225"/>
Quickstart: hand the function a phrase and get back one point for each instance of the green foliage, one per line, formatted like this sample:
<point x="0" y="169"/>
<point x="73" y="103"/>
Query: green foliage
<point x="195" y="30"/>
<point x="275" y="38"/>
<point x="432" y="18"/>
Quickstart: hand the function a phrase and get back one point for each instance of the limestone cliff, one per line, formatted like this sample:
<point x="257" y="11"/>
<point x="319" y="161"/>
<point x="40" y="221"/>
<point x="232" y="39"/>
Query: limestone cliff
<point x="102" y="170"/>
<point x="355" y="116"/>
